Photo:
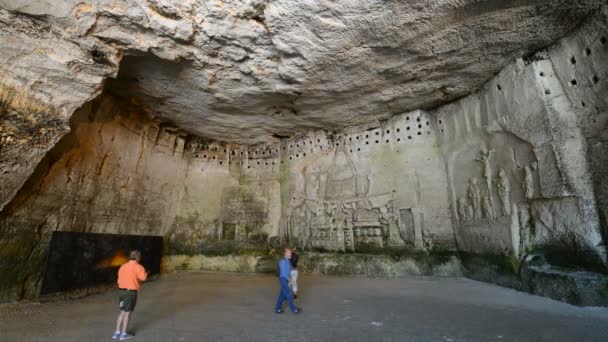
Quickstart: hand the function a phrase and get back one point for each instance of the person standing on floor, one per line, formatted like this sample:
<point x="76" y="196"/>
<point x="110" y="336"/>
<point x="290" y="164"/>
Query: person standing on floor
<point x="130" y="276"/>
<point x="284" y="268"/>
<point x="294" y="273"/>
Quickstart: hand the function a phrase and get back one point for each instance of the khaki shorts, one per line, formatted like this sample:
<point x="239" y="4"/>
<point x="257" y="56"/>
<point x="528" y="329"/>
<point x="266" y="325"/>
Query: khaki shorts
<point x="127" y="300"/>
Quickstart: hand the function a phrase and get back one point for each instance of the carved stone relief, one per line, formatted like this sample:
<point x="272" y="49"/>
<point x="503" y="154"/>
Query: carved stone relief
<point x="504" y="191"/>
<point x="499" y="167"/>
<point x="485" y="157"/>
<point x="490" y="175"/>
<point x="337" y="212"/>
<point x="409" y="231"/>
<point x="488" y="209"/>
<point x="475" y="197"/>
<point x="529" y="181"/>
<point x="390" y="221"/>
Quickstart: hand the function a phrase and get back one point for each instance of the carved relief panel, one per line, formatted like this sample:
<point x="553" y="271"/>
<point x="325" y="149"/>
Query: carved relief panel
<point x="336" y="212"/>
<point x="490" y="177"/>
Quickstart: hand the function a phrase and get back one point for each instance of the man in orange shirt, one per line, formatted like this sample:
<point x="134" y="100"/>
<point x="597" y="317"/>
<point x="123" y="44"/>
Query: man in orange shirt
<point x="130" y="275"/>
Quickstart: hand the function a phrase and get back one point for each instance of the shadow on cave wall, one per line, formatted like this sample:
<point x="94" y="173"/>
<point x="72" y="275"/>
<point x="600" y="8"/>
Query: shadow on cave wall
<point x="37" y="209"/>
<point x="23" y="244"/>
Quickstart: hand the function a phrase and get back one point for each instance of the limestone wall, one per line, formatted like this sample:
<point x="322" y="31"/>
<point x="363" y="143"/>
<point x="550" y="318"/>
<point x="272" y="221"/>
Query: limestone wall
<point x="579" y="63"/>
<point x="227" y="204"/>
<point x="119" y="171"/>
<point x="44" y="79"/>
<point x="356" y="190"/>
<point x="264" y="67"/>
<point x="381" y="187"/>
<point x="116" y="172"/>
<point x="525" y="155"/>
<point x="501" y="171"/>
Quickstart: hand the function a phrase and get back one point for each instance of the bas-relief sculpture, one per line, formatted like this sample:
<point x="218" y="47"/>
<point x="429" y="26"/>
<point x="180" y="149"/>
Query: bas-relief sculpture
<point x="484" y="197"/>
<point x="332" y="208"/>
<point x="529" y="180"/>
<point x="488" y="208"/>
<point x="497" y="200"/>
<point x="504" y="189"/>
<point x="480" y="201"/>
<point x="335" y="211"/>
<point x="464" y="210"/>
<point x="475" y="198"/>
<point x="485" y="157"/>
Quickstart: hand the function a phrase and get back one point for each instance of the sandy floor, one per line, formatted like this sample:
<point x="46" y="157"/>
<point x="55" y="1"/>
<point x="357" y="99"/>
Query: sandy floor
<point x="231" y="307"/>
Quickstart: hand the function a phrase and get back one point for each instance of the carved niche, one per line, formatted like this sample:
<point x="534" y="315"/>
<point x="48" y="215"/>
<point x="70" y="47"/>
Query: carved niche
<point x="489" y="177"/>
<point x="483" y="178"/>
<point x="336" y="211"/>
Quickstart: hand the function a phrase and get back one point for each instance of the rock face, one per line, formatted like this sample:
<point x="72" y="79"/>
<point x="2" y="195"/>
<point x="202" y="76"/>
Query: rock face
<point x="231" y="126"/>
<point x="121" y="172"/>
<point x="331" y="264"/>
<point x="244" y="71"/>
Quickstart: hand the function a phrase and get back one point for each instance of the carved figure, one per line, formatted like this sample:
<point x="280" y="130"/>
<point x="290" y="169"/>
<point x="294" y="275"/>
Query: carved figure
<point x="484" y="157"/>
<point x="526" y="227"/>
<point x="363" y="183"/>
<point x="504" y="191"/>
<point x="529" y="181"/>
<point x="487" y="208"/>
<point x="294" y="224"/>
<point x="475" y="197"/>
<point x="349" y="220"/>
<point x="390" y="221"/>
<point x="323" y="218"/>
<point x="349" y="242"/>
<point x="339" y="242"/>
<point x="463" y="209"/>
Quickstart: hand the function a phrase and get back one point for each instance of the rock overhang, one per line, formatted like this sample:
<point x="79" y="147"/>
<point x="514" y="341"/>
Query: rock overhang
<point x="245" y="71"/>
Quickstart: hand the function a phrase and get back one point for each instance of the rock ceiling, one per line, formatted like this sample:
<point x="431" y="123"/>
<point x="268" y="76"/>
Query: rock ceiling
<point x="247" y="70"/>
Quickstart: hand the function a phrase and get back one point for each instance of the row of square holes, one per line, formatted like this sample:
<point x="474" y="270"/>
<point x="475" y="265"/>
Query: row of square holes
<point x="595" y="78"/>
<point x="351" y="150"/>
<point x="350" y="139"/>
<point x="304" y="154"/>
<point x="366" y="137"/>
<point x="337" y="143"/>
<point x="241" y="163"/>
<point x="297" y="155"/>
<point x="573" y="82"/>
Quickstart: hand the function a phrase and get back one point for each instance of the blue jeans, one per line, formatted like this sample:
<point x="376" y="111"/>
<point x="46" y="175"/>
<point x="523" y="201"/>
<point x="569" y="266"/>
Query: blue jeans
<point x="285" y="294"/>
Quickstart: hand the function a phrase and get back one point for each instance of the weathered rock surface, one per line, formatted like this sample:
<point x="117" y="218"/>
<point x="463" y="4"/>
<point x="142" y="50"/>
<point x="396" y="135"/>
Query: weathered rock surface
<point x="285" y="65"/>
<point x="226" y="126"/>
<point x="534" y="275"/>
<point x="243" y="71"/>
<point x="381" y="266"/>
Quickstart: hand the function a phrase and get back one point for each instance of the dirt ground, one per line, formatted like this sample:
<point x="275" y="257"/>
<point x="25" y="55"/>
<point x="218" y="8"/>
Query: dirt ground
<point x="192" y="306"/>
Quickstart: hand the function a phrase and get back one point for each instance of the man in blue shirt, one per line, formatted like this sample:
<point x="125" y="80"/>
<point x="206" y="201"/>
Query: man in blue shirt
<point x="284" y="279"/>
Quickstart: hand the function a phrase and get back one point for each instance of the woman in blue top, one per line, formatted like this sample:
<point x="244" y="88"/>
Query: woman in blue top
<point x="284" y="279"/>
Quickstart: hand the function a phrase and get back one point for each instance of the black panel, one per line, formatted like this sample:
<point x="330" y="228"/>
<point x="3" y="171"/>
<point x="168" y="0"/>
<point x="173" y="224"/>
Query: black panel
<point x="80" y="260"/>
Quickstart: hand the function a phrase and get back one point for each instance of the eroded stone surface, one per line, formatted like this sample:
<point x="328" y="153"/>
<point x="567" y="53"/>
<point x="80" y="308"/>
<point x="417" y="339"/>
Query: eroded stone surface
<point x="243" y="71"/>
<point x="169" y="150"/>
